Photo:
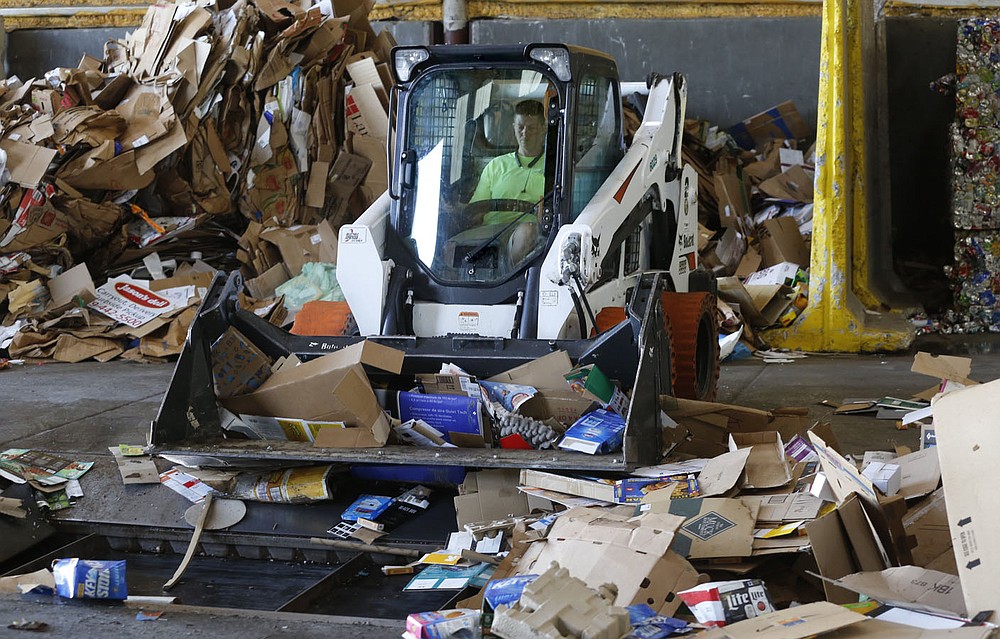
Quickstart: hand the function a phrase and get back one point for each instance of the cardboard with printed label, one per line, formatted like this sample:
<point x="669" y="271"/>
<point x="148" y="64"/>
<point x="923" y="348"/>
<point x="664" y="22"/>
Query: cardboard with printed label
<point x="238" y="366"/>
<point x="780" y="122"/>
<point x="968" y="447"/>
<point x="129" y="302"/>
<point x="593" y="384"/>
<point x="920" y="473"/>
<point x="786" y="508"/>
<point x="785" y="273"/>
<point x="713" y="528"/>
<point x="910" y="587"/>
<point x="460" y="418"/>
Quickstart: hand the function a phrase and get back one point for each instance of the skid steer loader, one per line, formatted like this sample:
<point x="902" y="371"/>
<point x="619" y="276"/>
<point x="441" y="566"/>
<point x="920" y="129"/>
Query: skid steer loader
<point x="605" y="268"/>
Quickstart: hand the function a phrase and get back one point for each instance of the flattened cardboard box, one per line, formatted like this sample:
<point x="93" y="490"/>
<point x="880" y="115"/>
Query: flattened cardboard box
<point x="956" y="369"/>
<point x="787" y="508"/>
<point x="795" y="623"/>
<point x="721" y="474"/>
<point x="76" y="282"/>
<point x="599" y="546"/>
<point x="968" y="446"/>
<point x="878" y="629"/>
<point x="910" y="587"/>
<point x="620" y="491"/>
<point x="333" y="387"/>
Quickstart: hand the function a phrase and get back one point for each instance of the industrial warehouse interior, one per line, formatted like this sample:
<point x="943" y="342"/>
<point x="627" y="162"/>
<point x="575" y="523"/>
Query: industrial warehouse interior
<point x="519" y="319"/>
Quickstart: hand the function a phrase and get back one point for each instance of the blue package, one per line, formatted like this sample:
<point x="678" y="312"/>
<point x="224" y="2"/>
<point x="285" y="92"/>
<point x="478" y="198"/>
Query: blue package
<point x="447" y="413"/>
<point x="504" y="592"/>
<point x="90" y="579"/>
<point x="600" y="431"/>
<point x="647" y="624"/>
<point x="366" y="506"/>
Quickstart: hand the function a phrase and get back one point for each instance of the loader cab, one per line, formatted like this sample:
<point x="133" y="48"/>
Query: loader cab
<point x="472" y="208"/>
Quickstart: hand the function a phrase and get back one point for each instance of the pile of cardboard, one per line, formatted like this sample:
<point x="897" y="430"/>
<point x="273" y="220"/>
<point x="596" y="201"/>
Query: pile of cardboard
<point x="755" y="193"/>
<point x="329" y="402"/>
<point x="754" y="511"/>
<point x="151" y="161"/>
<point x="750" y="505"/>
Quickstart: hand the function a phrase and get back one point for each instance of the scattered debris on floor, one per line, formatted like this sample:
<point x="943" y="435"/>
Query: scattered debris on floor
<point x="31" y="626"/>
<point x="54" y="480"/>
<point x="755" y="524"/>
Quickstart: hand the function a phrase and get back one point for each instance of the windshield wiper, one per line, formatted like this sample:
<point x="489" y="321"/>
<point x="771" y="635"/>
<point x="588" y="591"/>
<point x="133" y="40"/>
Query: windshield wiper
<point x="474" y="253"/>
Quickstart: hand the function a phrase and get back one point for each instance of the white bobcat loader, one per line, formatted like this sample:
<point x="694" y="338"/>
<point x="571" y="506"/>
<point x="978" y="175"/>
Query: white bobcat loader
<point x="609" y="273"/>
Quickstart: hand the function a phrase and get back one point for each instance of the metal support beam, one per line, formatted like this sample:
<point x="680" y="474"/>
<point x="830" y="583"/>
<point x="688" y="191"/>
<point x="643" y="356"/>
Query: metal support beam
<point x="836" y="319"/>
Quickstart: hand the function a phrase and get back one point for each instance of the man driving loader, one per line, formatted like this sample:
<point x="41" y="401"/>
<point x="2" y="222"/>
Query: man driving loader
<point x="517" y="176"/>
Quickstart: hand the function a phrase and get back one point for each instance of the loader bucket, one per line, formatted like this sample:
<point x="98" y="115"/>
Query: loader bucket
<point x="188" y="426"/>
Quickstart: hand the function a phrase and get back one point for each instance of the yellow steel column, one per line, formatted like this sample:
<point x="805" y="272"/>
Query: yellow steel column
<point x="836" y="319"/>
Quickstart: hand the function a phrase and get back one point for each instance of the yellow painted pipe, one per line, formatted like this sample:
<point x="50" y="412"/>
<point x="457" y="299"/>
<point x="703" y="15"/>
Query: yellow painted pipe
<point x="836" y="319"/>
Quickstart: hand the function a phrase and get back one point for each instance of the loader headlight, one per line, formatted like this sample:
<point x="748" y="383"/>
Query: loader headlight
<point x="405" y="59"/>
<point x="556" y="59"/>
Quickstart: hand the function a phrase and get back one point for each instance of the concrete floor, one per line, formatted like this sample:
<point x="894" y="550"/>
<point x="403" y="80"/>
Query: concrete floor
<point x="87" y="407"/>
<point x="74" y="621"/>
<point x="79" y="410"/>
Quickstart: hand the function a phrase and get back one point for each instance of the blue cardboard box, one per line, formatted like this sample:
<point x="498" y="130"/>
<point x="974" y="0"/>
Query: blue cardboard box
<point x="457" y="416"/>
<point x="600" y="431"/>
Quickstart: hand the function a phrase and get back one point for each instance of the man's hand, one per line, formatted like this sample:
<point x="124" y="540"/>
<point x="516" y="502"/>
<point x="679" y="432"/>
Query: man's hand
<point x="476" y="211"/>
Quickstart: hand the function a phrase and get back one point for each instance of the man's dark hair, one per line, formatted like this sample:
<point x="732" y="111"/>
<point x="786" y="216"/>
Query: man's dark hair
<point x="529" y="107"/>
